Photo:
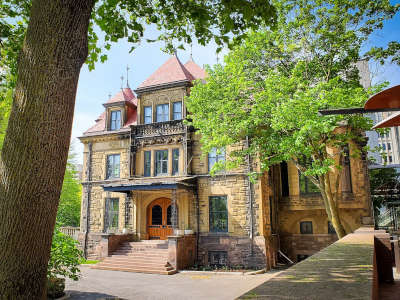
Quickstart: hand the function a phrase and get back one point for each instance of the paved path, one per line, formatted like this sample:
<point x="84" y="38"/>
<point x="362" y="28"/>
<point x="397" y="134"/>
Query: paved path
<point x="102" y="284"/>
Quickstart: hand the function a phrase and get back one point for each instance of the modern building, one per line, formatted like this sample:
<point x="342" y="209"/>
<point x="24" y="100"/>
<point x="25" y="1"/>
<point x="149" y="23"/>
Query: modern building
<point x="149" y="199"/>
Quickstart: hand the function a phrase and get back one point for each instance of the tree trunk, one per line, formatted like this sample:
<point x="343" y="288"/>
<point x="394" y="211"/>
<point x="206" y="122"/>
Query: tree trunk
<point x="35" y="150"/>
<point x="333" y="207"/>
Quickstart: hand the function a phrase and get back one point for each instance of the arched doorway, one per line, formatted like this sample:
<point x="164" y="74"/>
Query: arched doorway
<point x="159" y="214"/>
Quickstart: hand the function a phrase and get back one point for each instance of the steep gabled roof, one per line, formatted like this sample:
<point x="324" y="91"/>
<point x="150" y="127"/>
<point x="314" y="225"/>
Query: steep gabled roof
<point x="171" y="71"/>
<point x="194" y="69"/>
<point x="125" y="94"/>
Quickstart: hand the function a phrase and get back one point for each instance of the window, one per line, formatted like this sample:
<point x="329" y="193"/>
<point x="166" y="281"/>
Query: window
<point x="161" y="167"/>
<point x="384" y="146"/>
<point x="148" y="118"/>
<point x="175" y="161"/>
<point x="215" y="156"/>
<point x="112" y="213"/>
<point x="390" y="159"/>
<point x="177" y="110"/>
<point x="306" y="186"/>
<point x="346" y="172"/>
<point x="284" y="179"/>
<point x="162" y="113"/>
<point x="301" y="257"/>
<point x="306" y="227"/>
<point x="331" y="229"/>
<point x="115" y="120"/>
<point x="218" y="214"/>
<point x="156" y="215"/>
<point x="217" y="258"/>
<point x="389" y="146"/>
<point x="112" y="166"/>
<point x="147" y="163"/>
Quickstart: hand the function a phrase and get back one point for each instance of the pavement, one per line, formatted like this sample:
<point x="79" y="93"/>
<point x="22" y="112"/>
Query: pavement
<point x="103" y="284"/>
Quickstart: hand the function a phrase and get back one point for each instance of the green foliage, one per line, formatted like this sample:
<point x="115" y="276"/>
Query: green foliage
<point x="272" y="86"/>
<point x="382" y="181"/>
<point x="69" y="208"/>
<point x="5" y="108"/>
<point x="65" y="257"/>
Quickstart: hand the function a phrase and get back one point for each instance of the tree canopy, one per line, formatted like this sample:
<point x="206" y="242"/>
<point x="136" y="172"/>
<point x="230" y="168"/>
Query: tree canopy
<point x="58" y="37"/>
<point x="271" y="87"/>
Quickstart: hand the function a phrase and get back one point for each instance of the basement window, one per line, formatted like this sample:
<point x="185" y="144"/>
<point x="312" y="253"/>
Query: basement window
<point x="217" y="258"/>
<point x="306" y="227"/>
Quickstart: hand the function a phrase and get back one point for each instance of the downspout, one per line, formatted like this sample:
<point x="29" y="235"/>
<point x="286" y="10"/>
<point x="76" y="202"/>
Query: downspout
<point x="250" y="193"/>
<point x="88" y="196"/>
<point x="196" y="194"/>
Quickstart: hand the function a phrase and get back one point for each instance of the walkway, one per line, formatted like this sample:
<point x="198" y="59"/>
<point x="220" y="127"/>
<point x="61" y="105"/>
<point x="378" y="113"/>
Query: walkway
<point x="101" y="284"/>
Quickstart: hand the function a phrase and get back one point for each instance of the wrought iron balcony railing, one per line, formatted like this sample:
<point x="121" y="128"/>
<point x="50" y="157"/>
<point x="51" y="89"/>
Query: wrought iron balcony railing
<point x="158" y="129"/>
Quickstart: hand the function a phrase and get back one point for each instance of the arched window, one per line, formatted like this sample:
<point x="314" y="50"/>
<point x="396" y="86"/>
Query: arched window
<point x="169" y="214"/>
<point x="156" y="215"/>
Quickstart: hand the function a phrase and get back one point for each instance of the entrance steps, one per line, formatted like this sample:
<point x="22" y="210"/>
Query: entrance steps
<point x="150" y="256"/>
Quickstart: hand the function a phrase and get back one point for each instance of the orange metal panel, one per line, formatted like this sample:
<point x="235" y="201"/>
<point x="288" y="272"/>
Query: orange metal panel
<point x="389" y="98"/>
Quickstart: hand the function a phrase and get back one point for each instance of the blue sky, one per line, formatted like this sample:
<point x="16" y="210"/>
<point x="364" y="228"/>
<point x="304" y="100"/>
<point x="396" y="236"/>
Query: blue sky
<point x="95" y="86"/>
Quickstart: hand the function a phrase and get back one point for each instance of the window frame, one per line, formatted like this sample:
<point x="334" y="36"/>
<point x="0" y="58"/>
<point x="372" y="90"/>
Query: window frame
<point x="149" y="107"/>
<point x="217" y="157"/>
<point x="164" y="114"/>
<point x="162" y="161"/>
<point x="147" y="164"/>
<point x="305" y="229"/>
<point x="175" y="112"/>
<point x="175" y="161"/>
<point x="331" y="229"/>
<point x="212" y="215"/>
<point x="109" y="172"/>
<point x="115" y="121"/>
<point x="111" y="213"/>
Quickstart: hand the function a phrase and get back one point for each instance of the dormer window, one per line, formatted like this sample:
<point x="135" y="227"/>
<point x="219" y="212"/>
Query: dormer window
<point x="177" y="110"/>
<point x="162" y="113"/>
<point x="115" y="120"/>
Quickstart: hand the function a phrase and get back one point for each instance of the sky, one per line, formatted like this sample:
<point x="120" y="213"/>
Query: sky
<point x="95" y="86"/>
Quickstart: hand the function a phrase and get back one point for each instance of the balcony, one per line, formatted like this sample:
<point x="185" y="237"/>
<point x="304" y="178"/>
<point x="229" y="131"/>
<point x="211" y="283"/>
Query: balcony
<point x="168" y="128"/>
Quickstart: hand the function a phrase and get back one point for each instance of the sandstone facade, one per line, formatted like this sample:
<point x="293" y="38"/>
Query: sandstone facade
<point x="260" y="219"/>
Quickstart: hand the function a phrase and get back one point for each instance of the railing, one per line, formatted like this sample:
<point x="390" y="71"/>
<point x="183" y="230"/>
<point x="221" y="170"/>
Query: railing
<point x="70" y="231"/>
<point x="158" y="129"/>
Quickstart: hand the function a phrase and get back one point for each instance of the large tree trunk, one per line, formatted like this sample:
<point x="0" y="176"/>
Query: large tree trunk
<point x="35" y="150"/>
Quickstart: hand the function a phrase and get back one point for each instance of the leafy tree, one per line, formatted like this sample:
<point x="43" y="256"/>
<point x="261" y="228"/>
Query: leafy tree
<point x="383" y="182"/>
<point x="69" y="208"/>
<point x="271" y="87"/>
<point x="58" y="37"/>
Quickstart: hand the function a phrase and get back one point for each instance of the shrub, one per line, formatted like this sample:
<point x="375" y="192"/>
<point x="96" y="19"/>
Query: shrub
<point x="65" y="257"/>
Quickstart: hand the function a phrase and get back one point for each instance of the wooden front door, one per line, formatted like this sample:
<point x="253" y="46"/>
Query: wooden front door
<point x="159" y="225"/>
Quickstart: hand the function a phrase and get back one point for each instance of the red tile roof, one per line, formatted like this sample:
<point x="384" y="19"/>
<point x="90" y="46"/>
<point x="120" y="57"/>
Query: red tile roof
<point x="99" y="126"/>
<point x="125" y="94"/>
<point x="171" y="71"/>
<point x="194" y="69"/>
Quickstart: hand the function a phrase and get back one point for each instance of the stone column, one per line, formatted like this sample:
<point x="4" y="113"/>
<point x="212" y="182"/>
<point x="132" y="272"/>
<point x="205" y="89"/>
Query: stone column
<point x="174" y="210"/>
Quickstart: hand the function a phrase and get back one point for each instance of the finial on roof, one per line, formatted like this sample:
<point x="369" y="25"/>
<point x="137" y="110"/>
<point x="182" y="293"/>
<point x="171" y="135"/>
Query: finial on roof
<point x="109" y="95"/>
<point x="191" y="52"/>
<point x="127" y="76"/>
<point x="122" y="82"/>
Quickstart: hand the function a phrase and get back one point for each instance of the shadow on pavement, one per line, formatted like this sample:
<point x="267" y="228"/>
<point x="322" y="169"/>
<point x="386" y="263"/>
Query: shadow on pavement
<point x="92" y="296"/>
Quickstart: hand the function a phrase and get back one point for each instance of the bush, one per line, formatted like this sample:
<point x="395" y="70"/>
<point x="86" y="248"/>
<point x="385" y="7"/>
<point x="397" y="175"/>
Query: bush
<point x="65" y="257"/>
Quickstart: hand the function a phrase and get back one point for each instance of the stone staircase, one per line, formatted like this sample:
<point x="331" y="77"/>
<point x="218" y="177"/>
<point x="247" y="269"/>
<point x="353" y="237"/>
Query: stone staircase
<point x="150" y="256"/>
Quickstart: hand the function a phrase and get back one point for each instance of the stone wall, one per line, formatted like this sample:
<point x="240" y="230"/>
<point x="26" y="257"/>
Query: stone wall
<point x="182" y="251"/>
<point x="101" y="245"/>
<point x="241" y="251"/>
<point x="304" y="244"/>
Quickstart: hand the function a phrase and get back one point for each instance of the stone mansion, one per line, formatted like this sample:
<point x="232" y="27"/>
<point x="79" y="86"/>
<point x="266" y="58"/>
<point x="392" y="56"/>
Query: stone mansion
<point x="146" y="186"/>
